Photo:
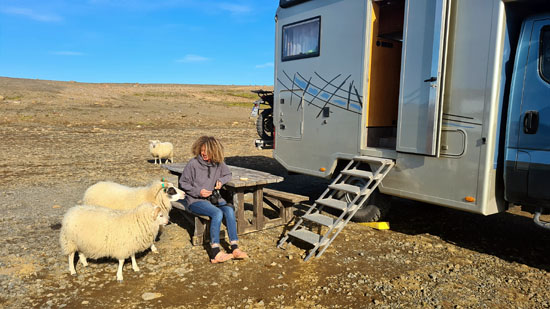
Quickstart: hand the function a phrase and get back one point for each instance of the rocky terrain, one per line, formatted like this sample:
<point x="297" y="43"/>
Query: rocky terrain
<point x="58" y="138"/>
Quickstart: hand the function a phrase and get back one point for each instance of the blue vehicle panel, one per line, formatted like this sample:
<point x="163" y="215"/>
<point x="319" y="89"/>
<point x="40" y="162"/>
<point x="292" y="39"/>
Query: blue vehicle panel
<point x="527" y="158"/>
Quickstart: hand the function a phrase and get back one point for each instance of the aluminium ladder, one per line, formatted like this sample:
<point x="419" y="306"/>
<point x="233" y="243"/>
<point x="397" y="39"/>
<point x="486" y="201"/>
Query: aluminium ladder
<point x="341" y="185"/>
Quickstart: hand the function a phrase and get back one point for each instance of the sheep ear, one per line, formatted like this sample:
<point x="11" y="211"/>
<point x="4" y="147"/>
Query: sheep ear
<point x="156" y="212"/>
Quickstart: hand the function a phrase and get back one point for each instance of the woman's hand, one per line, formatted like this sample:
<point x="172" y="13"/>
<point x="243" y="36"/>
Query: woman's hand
<point x="218" y="185"/>
<point x="205" y="193"/>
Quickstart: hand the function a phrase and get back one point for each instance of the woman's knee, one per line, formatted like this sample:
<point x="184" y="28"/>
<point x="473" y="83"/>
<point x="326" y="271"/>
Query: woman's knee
<point x="229" y="212"/>
<point x="217" y="216"/>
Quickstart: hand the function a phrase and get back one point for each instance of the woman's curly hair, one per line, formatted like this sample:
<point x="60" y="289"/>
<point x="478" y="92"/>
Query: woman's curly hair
<point x="214" y="149"/>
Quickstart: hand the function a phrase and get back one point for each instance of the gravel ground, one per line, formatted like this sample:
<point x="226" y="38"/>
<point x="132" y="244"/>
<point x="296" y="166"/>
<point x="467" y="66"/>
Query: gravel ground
<point x="59" y="138"/>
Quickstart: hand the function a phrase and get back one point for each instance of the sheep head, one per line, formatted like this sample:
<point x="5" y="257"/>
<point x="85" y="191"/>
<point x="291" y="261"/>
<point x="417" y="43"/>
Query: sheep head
<point x="159" y="217"/>
<point x="153" y="144"/>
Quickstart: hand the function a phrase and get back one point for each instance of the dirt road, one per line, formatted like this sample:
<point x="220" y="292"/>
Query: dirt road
<point x="58" y="138"/>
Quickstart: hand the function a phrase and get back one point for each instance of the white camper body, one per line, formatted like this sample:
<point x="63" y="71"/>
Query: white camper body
<point x="420" y="82"/>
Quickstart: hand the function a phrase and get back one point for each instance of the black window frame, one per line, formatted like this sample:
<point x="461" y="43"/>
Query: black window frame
<point x="543" y="30"/>
<point x="288" y="3"/>
<point x="301" y="56"/>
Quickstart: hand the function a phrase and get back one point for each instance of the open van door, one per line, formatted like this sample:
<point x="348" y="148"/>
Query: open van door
<point x="424" y="37"/>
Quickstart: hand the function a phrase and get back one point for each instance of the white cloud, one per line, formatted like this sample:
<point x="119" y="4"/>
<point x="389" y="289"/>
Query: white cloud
<point x="67" y="53"/>
<point x="31" y="14"/>
<point x="265" y="65"/>
<point x="193" y="58"/>
<point x="235" y="8"/>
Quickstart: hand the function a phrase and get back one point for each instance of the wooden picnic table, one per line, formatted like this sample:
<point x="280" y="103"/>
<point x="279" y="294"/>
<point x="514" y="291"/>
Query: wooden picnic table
<point x="247" y="180"/>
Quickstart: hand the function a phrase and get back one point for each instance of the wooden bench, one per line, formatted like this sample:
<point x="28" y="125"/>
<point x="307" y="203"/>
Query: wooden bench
<point x="199" y="223"/>
<point x="284" y="201"/>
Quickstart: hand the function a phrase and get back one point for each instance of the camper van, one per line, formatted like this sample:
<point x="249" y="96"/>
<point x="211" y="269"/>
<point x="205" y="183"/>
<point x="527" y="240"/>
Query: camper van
<point x="439" y="101"/>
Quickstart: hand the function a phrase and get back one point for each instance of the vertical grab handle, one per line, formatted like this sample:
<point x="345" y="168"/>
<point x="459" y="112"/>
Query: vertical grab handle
<point x="531" y="122"/>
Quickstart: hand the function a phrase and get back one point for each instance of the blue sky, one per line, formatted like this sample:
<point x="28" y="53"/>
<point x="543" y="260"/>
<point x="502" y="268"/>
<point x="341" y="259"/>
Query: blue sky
<point x="229" y="42"/>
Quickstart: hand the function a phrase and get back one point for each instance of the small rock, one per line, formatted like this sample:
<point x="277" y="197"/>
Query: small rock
<point x="56" y="206"/>
<point x="150" y="296"/>
<point x="85" y="302"/>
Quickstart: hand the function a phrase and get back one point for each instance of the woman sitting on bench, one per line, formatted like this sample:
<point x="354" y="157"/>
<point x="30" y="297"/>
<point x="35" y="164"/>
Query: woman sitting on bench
<point x="204" y="174"/>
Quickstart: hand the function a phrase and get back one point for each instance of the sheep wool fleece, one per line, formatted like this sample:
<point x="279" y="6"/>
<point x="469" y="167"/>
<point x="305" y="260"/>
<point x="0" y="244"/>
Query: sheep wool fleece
<point x="102" y="232"/>
<point x="116" y="196"/>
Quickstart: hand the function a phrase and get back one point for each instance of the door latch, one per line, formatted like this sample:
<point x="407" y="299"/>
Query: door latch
<point x="531" y="122"/>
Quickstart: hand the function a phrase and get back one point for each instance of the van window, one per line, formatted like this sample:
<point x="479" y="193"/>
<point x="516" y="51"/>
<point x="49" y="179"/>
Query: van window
<point x="545" y="53"/>
<point x="289" y="3"/>
<point x="301" y="39"/>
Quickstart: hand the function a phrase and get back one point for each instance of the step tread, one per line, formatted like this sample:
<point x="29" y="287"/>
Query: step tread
<point x="346" y="187"/>
<point x="372" y="159"/>
<point x="306" y="236"/>
<point x="359" y="173"/>
<point x="333" y="203"/>
<point x="321" y="219"/>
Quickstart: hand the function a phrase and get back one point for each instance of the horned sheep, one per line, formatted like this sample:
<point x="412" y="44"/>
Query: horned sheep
<point x="161" y="150"/>
<point x="117" y="196"/>
<point x="96" y="232"/>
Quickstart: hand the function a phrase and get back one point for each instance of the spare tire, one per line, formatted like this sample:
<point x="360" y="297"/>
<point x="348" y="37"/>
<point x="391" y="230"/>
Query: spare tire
<point x="264" y="124"/>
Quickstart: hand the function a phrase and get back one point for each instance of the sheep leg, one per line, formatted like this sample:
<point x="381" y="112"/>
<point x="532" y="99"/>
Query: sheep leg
<point x="119" y="271"/>
<point x="71" y="264"/>
<point x="154" y="249"/>
<point x="82" y="259"/>
<point x="134" y="264"/>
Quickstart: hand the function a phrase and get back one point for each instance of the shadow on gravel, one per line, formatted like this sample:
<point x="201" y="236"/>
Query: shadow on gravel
<point x="309" y="186"/>
<point x="508" y="236"/>
<point x="511" y="237"/>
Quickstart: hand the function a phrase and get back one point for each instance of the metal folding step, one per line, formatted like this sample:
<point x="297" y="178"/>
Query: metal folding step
<point x="346" y="188"/>
<point x="344" y="184"/>
<point x="321" y="219"/>
<point x="333" y="203"/>
<point x="307" y="236"/>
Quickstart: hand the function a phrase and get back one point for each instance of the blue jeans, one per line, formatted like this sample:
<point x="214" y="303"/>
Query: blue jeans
<point x="216" y="214"/>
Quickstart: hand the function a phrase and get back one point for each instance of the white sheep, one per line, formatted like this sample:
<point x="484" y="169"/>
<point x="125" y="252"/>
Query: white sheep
<point x="161" y="150"/>
<point x="116" y="196"/>
<point x="97" y="232"/>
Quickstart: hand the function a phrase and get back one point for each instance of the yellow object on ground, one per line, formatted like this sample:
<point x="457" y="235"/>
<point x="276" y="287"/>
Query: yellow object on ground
<point x="377" y="225"/>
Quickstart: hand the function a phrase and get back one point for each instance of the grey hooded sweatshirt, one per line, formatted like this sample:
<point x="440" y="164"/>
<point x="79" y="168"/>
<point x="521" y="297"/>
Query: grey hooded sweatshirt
<point x="199" y="174"/>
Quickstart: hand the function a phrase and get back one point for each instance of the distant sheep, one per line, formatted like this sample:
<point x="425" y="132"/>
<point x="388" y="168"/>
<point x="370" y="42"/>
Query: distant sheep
<point x="161" y="150"/>
<point x="116" y="196"/>
<point x="97" y="232"/>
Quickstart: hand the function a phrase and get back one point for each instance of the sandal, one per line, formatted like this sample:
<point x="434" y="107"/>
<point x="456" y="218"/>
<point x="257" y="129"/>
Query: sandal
<point x="239" y="254"/>
<point x="221" y="257"/>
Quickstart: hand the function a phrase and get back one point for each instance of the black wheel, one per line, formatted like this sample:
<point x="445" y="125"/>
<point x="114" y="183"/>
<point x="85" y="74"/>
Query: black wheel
<point x="373" y="209"/>
<point x="264" y="124"/>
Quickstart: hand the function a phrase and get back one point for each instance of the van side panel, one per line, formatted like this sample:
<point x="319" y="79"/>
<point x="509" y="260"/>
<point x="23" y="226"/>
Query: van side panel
<point x="322" y="97"/>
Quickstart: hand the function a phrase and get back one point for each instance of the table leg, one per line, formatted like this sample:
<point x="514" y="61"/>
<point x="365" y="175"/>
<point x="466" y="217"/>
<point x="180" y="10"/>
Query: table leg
<point x="238" y="202"/>
<point x="258" y="208"/>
